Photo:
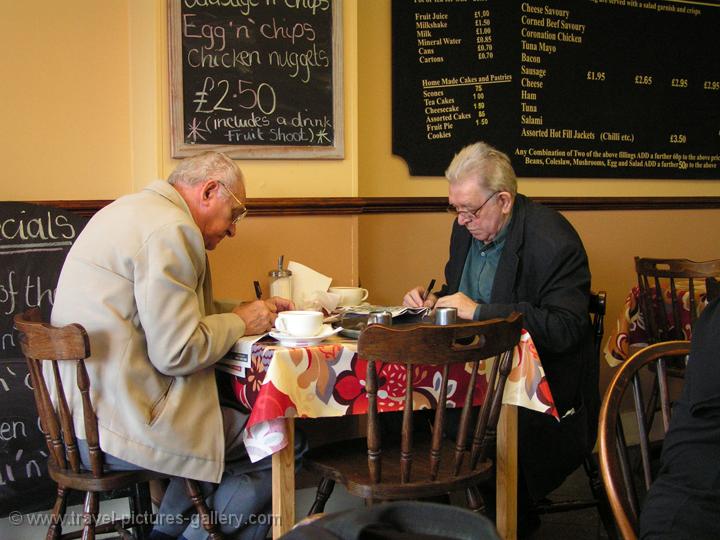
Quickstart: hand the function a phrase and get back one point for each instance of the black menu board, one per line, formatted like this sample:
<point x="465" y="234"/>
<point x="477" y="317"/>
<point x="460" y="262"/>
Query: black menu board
<point x="34" y="241"/>
<point x="567" y="88"/>
<point x="256" y="78"/>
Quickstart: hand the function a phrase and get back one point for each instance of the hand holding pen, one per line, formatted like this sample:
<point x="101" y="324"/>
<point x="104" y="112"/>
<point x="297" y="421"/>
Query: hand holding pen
<point x="428" y="290"/>
<point x="418" y="296"/>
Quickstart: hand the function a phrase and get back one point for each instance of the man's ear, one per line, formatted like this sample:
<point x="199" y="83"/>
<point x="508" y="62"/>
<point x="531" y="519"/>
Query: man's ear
<point x="507" y="201"/>
<point x="209" y="190"/>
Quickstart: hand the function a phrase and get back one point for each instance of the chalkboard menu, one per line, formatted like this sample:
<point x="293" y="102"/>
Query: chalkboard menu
<point x="34" y="241"/>
<point x="567" y="88"/>
<point x="256" y="78"/>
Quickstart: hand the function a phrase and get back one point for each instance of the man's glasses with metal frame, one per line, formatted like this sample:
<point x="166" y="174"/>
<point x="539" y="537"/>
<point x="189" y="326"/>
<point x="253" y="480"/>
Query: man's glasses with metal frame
<point x="467" y="215"/>
<point x="240" y="211"/>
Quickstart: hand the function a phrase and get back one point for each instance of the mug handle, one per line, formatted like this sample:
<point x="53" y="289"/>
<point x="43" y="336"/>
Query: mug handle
<point x="364" y="295"/>
<point x="280" y="325"/>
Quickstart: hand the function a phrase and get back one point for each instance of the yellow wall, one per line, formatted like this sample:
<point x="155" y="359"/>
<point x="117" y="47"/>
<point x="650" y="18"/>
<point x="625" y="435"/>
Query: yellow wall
<point x="65" y="100"/>
<point x="85" y="105"/>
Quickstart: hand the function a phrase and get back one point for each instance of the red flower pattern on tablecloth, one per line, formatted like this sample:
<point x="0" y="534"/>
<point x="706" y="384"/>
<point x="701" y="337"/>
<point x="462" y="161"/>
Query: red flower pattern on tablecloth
<point x="290" y="385"/>
<point x="248" y="390"/>
<point x="544" y="396"/>
<point x="350" y="387"/>
<point x="631" y="327"/>
<point x="275" y="405"/>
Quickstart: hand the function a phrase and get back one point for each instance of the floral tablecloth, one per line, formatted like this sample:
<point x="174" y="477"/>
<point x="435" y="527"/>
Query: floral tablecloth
<point x="328" y="380"/>
<point x="630" y="329"/>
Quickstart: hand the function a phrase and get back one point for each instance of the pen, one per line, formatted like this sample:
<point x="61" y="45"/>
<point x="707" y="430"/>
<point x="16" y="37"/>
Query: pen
<point x="428" y="290"/>
<point x="258" y="290"/>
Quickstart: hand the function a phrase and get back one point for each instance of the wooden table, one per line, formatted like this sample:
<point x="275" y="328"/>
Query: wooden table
<point x="320" y="381"/>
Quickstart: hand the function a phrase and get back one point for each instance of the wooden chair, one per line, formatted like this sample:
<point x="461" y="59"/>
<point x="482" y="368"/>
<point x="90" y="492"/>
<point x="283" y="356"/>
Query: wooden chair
<point x="433" y="465"/>
<point x="597" y="310"/>
<point x="624" y="491"/>
<point x="663" y="320"/>
<point x="658" y="276"/>
<point x="41" y="342"/>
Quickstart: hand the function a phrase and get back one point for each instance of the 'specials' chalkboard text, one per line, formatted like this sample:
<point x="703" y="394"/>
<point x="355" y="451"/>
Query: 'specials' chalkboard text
<point x="34" y="241"/>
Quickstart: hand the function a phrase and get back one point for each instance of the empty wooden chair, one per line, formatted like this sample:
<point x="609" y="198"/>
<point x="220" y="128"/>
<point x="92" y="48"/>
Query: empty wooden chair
<point x="427" y="466"/>
<point x="672" y="295"/>
<point x="624" y="489"/>
<point x="40" y="343"/>
<point x="669" y="294"/>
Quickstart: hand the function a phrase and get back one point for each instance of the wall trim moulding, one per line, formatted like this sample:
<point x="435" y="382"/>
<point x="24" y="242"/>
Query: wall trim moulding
<point x="307" y="206"/>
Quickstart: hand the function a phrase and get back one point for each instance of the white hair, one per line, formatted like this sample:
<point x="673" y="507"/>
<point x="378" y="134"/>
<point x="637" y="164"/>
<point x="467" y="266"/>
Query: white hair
<point x="207" y="165"/>
<point x="491" y="167"/>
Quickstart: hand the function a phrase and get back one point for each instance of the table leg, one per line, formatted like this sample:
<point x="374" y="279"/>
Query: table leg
<point x="283" y="484"/>
<point x="507" y="473"/>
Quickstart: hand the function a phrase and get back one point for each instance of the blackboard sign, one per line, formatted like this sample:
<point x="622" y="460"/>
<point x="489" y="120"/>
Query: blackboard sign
<point x="34" y="241"/>
<point x="592" y="89"/>
<point x="256" y="78"/>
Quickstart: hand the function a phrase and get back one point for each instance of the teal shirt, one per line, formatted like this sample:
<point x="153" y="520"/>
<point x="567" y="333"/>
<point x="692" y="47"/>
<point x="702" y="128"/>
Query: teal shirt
<point x="480" y="267"/>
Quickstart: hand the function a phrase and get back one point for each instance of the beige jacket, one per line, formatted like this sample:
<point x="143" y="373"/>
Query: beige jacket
<point x="137" y="279"/>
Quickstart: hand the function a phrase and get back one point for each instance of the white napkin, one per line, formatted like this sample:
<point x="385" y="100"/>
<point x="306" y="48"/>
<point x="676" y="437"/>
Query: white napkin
<point x="309" y="286"/>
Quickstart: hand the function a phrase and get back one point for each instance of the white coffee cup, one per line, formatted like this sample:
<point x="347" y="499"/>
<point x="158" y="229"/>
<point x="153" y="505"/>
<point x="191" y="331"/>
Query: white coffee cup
<point x="349" y="296"/>
<point x="300" y="323"/>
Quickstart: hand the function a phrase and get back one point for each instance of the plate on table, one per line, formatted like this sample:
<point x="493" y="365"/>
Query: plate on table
<point x="286" y="340"/>
<point x="352" y="333"/>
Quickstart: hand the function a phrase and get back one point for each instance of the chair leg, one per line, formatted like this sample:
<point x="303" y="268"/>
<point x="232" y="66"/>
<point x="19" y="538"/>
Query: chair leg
<point x="193" y="491"/>
<point x="58" y="513"/>
<point x="141" y="510"/>
<point x="90" y="515"/>
<point x="474" y="500"/>
<point x="324" y="491"/>
<point x="598" y="491"/>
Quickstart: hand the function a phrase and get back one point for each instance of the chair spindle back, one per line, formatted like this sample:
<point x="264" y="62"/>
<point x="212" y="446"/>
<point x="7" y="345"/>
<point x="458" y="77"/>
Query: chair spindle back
<point x="657" y="278"/>
<point x="618" y="469"/>
<point x="41" y="342"/>
<point x="472" y="344"/>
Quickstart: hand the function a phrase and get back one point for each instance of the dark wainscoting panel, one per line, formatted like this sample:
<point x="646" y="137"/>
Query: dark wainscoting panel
<point x="399" y="205"/>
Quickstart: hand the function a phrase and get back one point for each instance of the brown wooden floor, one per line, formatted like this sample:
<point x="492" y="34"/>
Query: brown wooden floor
<point x="576" y="525"/>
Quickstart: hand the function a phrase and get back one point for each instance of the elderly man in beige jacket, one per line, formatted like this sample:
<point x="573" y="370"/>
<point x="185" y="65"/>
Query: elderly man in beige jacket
<point x="138" y="280"/>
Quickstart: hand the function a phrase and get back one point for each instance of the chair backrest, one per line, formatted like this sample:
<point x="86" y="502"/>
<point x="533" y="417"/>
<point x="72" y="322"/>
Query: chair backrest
<point x="42" y="343"/>
<point x="618" y="470"/>
<point x="420" y="346"/>
<point x="665" y="286"/>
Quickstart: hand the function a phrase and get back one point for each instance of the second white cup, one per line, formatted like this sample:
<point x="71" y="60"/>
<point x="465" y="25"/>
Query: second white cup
<point x="349" y="296"/>
<point x="299" y="323"/>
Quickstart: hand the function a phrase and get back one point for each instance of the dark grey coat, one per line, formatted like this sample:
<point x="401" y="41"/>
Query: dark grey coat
<point x="543" y="273"/>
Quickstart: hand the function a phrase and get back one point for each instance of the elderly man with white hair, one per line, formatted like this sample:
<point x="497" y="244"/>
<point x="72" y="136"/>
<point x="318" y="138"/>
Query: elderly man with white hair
<point x="508" y="254"/>
<point x="138" y="280"/>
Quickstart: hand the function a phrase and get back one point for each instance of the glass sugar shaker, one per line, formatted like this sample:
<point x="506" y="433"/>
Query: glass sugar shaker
<point x="281" y="281"/>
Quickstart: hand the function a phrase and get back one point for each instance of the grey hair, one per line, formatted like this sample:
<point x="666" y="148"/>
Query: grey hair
<point x="207" y="165"/>
<point x="491" y="167"/>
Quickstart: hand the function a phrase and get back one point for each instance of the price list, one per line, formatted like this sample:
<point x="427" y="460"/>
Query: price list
<point x="594" y="88"/>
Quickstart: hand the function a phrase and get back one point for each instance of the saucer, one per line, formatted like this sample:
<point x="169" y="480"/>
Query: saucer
<point x="287" y="340"/>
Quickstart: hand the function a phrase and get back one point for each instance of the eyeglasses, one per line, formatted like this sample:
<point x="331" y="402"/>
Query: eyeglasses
<point x="238" y="212"/>
<point x="467" y="215"/>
